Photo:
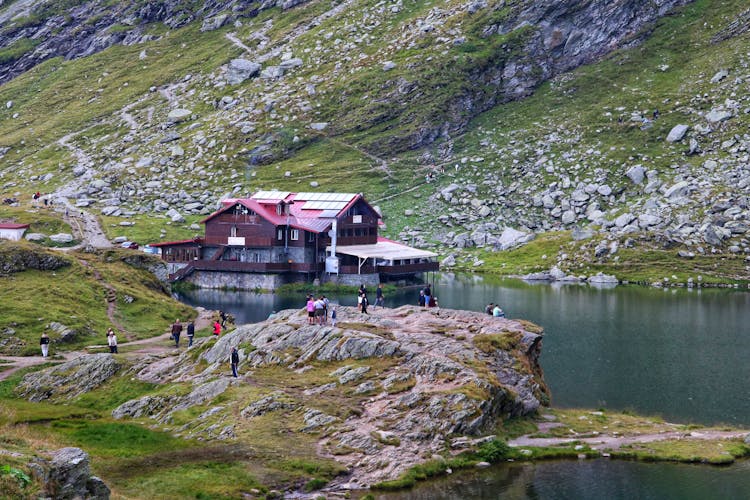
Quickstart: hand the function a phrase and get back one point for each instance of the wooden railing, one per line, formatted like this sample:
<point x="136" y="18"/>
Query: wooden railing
<point x="410" y="268"/>
<point x="257" y="241"/>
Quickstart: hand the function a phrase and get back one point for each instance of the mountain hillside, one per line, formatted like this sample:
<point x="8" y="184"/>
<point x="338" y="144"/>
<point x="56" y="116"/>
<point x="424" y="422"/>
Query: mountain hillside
<point x="612" y="132"/>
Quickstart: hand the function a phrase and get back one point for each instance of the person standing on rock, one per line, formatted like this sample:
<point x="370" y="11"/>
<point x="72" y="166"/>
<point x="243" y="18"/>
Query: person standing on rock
<point x="44" y="344"/>
<point x="310" y="310"/>
<point x="176" y="331"/>
<point x="235" y="360"/>
<point x="217" y="328"/>
<point x="421" y="298"/>
<point x="379" y="299"/>
<point x="333" y="317"/>
<point x="427" y="294"/>
<point x="364" y="304"/>
<point x="112" y="341"/>
<point x="190" y="333"/>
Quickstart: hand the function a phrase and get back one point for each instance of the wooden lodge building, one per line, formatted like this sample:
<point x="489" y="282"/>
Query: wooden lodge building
<point x="276" y="237"/>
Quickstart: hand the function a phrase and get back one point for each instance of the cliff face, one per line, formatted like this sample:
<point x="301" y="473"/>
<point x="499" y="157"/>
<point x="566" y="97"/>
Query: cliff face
<point x="378" y="393"/>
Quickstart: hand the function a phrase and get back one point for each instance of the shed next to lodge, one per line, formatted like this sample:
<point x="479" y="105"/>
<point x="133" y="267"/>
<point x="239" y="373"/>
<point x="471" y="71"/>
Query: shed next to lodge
<point x="12" y="231"/>
<point x="276" y="237"/>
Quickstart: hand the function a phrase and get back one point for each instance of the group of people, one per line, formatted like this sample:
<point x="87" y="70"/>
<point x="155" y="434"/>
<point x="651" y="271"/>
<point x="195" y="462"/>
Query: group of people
<point x="317" y="310"/>
<point x="494" y="310"/>
<point x="426" y="298"/>
<point x="363" y="301"/>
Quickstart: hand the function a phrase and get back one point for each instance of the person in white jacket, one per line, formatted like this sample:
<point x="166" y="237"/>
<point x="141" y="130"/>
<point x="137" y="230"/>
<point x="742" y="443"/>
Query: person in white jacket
<point x="112" y="341"/>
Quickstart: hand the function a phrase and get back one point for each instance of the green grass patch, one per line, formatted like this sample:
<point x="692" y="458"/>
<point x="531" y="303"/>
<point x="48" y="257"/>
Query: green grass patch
<point x="489" y="343"/>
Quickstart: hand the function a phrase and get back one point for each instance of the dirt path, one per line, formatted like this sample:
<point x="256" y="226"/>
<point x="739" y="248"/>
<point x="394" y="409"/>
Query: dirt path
<point x="151" y="345"/>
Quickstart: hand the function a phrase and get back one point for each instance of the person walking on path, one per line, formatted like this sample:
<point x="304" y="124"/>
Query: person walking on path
<point x="112" y="341"/>
<point x="176" y="331"/>
<point x="217" y="328"/>
<point x="190" y="333"/>
<point x="44" y="344"/>
<point x="235" y="359"/>
<point x="379" y="299"/>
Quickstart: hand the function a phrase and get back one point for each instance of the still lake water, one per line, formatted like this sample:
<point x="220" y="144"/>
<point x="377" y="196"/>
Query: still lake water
<point x="681" y="354"/>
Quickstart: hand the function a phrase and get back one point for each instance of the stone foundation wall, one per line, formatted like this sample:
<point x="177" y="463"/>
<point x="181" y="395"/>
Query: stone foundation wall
<point x="354" y="279"/>
<point x="241" y="281"/>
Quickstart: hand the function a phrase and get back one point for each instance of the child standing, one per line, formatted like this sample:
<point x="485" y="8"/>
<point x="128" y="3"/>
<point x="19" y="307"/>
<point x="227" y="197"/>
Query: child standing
<point x="333" y="317"/>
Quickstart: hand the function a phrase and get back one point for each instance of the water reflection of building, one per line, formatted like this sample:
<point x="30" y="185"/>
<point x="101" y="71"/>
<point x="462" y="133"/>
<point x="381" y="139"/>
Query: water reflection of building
<point x="276" y="237"/>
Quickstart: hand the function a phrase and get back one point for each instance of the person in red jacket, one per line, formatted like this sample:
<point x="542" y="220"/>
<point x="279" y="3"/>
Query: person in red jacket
<point x="217" y="328"/>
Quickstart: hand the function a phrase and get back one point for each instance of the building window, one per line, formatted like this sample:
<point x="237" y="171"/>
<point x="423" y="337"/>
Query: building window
<point x="279" y="209"/>
<point x="310" y="236"/>
<point x="280" y="234"/>
<point x="233" y="232"/>
<point x="295" y="234"/>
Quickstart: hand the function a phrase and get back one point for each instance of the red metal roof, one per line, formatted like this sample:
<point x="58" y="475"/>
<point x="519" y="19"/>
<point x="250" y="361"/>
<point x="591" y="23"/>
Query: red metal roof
<point x="310" y="219"/>
<point x="10" y="225"/>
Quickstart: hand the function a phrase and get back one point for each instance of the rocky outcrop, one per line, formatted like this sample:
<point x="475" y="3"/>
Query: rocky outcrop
<point x="68" y="379"/>
<point x="416" y="377"/>
<point x="15" y="258"/>
<point x="88" y="27"/>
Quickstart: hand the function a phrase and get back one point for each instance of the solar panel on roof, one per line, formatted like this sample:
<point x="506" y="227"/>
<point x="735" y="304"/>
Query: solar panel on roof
<point x="270" y="195"/>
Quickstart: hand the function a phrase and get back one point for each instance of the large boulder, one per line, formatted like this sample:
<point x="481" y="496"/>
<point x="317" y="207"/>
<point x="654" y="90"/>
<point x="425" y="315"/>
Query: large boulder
<point x="70" y="477"/>
<point x="513" y="238"/>
<point x="677" y="133"/>
<point x="240" y="70"/>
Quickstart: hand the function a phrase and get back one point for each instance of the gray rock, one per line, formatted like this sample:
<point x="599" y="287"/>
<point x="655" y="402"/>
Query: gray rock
<point x="718" y="115"/>
<point x="143" y="407"/>
<point x="319" y="126"/>
<point x="175" y="216"/>
<point x="603" y="279"/>
<point x="274" y="402"/>
<point x="677" y="133"/>
<point x="61" y="238"/>
<point x="677" y="190"/>
<point x="449" y="261"/>
<point x="715" y="235"/>
<point x="647" y="220"/>
<point x="624" y="219"/>
<point x="240" y="70"/>
<point x="719" y="76"/>
<point x="636" y="174"/>
<point x="604" y="190"/>
<point x="352" y="374"/>
<point x="69" y="379"/>
<point x="568" y="217"/>
<point x="315" y="419"/>
<point x="288" y="64"/>
<point x="70" y="477"/>
<point x="179" y="115"/>
<point x="388" y="65"/>
<point x="272" y="72"/>
<point x="35" y="237"/>
<point x="512" y="237"/>
<point x="214" y="23"/>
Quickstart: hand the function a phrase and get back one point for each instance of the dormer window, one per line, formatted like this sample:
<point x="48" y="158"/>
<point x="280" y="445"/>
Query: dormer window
<point x="279" y="209"/>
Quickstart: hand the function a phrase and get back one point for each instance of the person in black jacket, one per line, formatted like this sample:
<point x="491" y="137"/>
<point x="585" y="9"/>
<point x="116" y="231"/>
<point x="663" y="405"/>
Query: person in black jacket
<point x="235" y="359"/>
<point x="190" y="333"/>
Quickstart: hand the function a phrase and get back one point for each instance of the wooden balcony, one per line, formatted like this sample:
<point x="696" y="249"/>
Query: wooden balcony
<point x="250" y="242"/>
<point x="234" y="266"/>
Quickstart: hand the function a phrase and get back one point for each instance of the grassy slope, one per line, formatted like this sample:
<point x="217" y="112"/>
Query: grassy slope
<point x="583" y="105"/>
<point x="34" y="298"/>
